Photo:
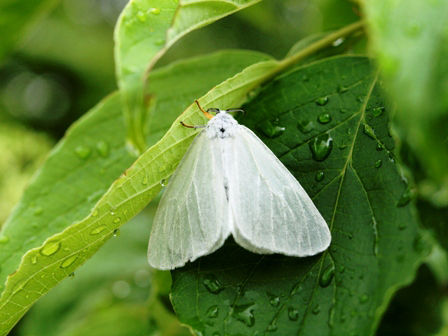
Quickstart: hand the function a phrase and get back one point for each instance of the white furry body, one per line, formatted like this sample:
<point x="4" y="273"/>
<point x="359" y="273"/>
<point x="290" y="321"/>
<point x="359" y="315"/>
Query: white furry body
<point x="230" y="183"/>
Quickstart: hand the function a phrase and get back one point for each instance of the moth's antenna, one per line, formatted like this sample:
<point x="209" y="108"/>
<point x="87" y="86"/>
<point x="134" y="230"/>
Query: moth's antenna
<point x="236" y="110"/>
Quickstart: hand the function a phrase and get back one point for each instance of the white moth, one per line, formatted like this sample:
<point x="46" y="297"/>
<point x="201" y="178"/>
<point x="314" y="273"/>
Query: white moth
<point x="230" y="183"/>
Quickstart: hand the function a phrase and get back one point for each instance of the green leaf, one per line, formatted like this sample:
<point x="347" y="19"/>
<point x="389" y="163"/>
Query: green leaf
<point x="411" y="41"/>
<point x="79" y="172"/>
<point x="15" y="16"/>
<point x="144" y="32"/>
<point x="355" y="186"/>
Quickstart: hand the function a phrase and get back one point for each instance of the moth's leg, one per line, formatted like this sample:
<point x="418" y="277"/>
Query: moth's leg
<point x="207" y="115"/>
<point x="192" y="126"/>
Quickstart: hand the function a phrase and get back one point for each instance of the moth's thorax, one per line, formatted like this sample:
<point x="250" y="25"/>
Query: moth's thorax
<point x="223" y="125"/>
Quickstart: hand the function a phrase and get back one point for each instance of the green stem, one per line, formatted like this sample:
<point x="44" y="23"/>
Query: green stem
<point x="322" y="43"/>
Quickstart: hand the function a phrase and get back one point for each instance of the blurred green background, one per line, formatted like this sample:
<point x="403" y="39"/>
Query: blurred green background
<point x="59" y="67"/>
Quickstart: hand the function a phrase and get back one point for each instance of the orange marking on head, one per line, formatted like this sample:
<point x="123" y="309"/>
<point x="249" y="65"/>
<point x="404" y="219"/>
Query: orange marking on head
<point x="207" y="115"/>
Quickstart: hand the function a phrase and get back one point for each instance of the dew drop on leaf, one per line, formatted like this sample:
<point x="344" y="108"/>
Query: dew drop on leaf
<point x="316" y="309"/>
<point x="145" y="180"/>
<point x="71" y="275"/>
<point x="117" y="220"/>
<point x="95" y="213"/>
<point x="83" y="151"/>
<point x="293" y="314"/>
<point x="141" y="16"/>
<point x="305" y="126"/>
<point x="97" y="230"/>
<point x="50" y="248"/>
<point x="155" y="11"/>
<point x="103" y="148"/>
<point x="274" y="300"/>
<point x="342" y="89"/>
<point x="379" y="146"/>
<point x="402" y="226"/>
<point x="272" y="327"/>
<point x="321" y="146"/>
<point x="405" y="197"/>
<point x="324" y="118"/>
<point x="163" y="182"/>
<point x="70" y="260"/>
<point x="213" y="311"/>
<point x="327" y="276"/>
<point x="245" y="314"/>
<point x="342" y="111"/>
<point x="363" y="298"/>
<point x="322" y="101"/>
<point x="270" y="130"/>
<point x="212" y="284"/>
<point x="3" y="238"/>
<point x="320" y="176"/>
<point x="342" y="146"/>
<point x="377" y="111"/>
<point x="378" y="163"/>
<point x="360" y="99"/>
<point x="34" y="259"/>
<point x="368" y="130"/>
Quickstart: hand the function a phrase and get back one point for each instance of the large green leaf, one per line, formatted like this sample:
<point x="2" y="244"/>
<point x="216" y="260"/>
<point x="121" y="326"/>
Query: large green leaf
<point x="411" y="41"/>
<point x="325" y="122"/>
<point x="15" y="16"/>
<point x="83" y="166"/>
<point x="145" y="30"/>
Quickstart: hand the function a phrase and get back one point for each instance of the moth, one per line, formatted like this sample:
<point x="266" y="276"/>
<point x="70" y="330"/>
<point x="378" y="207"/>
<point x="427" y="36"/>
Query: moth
<point x="230" y="183"/>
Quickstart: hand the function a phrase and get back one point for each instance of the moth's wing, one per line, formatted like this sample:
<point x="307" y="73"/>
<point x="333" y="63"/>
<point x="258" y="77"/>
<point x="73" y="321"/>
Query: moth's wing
<point x="192" y="217"/>
<point x="271" y="211"/>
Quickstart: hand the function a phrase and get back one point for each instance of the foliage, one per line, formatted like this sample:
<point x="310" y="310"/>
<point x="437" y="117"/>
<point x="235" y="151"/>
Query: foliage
<point x="325" y="110"/>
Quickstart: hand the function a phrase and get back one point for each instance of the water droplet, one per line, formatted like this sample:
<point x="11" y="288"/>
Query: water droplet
<point x="270" y="130"/>
<point x="379" y="146"/>
<point x="38" y="211"/>
<point x="321" y="146"/>
<point x="320" y="175"/>
<point x="71" y="275"/>
<point x="405" y="197"/>
<point x="360" y="99"/>
<point x="112" y="213"/>
<point x="70" y="260"/>
<point x="3" y="238"/>
<point x="363" y="298"/>
<point x="274" y="300"/>
<point x="162" y="168"/>
<point x="342" y="111"/>
<point x="155" y="11"/>
<point x="377" y="111"/>
<point x="245" y="314"/>
<point x="316" y="309"/>
<point x="163" y="182"/>
<point x="350" y="236"/>
<point x="103" y="148"/>
<point x="50" y="248"/>
<point x="34" y="259"/>
<point x="322" y="101"/>
<point x="212" y="284"/>
<point x="145" y="180"/>
<point x="141" y="16"/>
<point x="324" y="118"/>
<point x="342" y="146"/>
<point x="305" y="126"/>
<point x="213" y="311"/>
<point x="117" y="220"/>
<point x="159" y="42"/>
<point x="402" y="226"/>
<point x="293" y="314"/>
<point x="378" y="163"/>
<point x="82" y="151"/>
<point x="272" y="327"/>
<point x="327" y="276"/>
<point x="95" y="213"/>
<point x="98" y="229"/>
<point x="369" y="131"/>
<point x="117" y="232"/>
<point x="341" y="269"/>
